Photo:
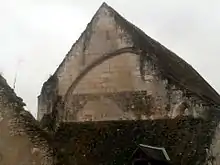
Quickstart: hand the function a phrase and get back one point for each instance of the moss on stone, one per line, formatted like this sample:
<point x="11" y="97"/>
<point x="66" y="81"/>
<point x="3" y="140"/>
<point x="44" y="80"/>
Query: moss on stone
<point x="8" y="93"/>
<point x="113" y="142"/>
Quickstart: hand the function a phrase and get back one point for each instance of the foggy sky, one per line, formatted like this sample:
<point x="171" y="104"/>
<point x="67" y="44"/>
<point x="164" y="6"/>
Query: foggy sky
<point x="35" y="35"/>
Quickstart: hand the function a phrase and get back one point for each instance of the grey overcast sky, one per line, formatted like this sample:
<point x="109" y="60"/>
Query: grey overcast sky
<point x="35" y="35"/>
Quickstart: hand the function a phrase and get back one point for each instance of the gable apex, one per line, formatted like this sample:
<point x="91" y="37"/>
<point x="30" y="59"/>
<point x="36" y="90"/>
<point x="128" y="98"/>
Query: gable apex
<point x="171" y="66"/>
<point x="104" y="4"/>
<point x="106" y="7"/>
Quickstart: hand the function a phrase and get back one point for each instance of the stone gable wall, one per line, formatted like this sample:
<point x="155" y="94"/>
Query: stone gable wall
<point x="118" y="74"/>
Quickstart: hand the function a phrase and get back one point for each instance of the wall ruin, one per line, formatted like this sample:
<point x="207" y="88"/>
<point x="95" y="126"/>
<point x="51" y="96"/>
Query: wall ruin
<point x="155" y="96"/>
<point x="22" y="142"/>
<point x="127" y="73"/>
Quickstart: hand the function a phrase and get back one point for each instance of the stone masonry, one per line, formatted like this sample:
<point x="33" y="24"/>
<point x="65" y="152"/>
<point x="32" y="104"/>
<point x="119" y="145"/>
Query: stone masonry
<point x="116" y="72"/>
<point x="116" y="88"/>
<point x="167" y="93"/>
<point x="22" y="142"/>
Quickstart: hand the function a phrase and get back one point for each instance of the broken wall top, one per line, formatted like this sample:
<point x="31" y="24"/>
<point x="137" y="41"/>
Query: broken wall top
<point x="19" y="131"/>
<point x="8" y="93"/>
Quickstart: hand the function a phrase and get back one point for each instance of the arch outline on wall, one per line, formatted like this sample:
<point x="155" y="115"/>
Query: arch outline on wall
<point x="97" y="62"/>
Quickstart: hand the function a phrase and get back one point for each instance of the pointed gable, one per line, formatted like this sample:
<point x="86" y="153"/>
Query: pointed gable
<point x="107" y="32"/>
<point x="172" y="66"/>
<point x="93" y="43"/>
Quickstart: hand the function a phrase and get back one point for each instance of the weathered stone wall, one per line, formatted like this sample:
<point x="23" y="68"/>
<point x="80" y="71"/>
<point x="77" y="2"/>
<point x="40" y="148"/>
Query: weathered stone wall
<point x="214" y="153"/>
<point x="122" y="73"/>
<point x="159" y="98"/>
<point x="186" y="140"/>
<point x="48" y="97"/>
<point x="116" y="75"/>
<point x="16" y="150"/>
<point x="22" y="142"/>
<point x="101" y="36"/>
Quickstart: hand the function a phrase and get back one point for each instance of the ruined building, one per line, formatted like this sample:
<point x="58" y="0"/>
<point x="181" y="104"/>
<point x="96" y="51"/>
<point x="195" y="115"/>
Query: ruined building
<point x="118" y="88"/>
<point x="22" y="140"/>
<point x="115" y="71"/>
